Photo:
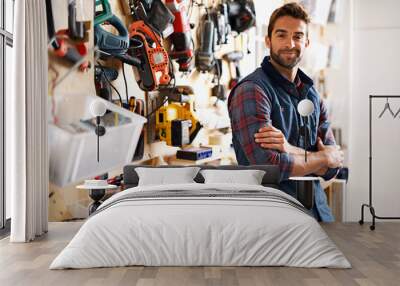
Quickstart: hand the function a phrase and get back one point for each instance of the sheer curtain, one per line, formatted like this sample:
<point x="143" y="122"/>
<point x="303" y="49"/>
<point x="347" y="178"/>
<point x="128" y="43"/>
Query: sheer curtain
<point x="26" y="124"/>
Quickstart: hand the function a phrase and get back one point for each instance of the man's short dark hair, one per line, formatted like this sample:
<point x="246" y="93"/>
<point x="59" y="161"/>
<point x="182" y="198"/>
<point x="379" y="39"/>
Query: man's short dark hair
<point x="293" y="10"/>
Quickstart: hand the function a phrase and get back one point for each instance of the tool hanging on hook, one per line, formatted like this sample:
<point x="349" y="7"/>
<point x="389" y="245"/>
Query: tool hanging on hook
<point x="102" y="78"/>
<point x="242" y="15"/>
<point x="205" y="58"/>
<point x="152" y="55"/>
<point x="109" y="44"/>
<point x="153" y="12"/>
<point x="68" y="44"/>
<point x="219" y="15"/>
<point x="181" y="38"/>
<point x="234" y="58"/>
<point x="103" y="14"/>
<point x="77" y="30"/>
<point x="176" y="123"/>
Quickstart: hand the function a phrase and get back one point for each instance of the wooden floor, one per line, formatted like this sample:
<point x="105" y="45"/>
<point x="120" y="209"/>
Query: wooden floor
<point x="375" y="257"/>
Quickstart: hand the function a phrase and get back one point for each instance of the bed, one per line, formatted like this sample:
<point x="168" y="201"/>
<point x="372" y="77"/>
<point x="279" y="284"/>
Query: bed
<point x="201" y="224"/>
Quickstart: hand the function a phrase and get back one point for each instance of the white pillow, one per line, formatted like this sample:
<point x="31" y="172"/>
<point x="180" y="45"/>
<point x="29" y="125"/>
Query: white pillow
<point x="248" y="177"/>
<point x="164" y="176"/>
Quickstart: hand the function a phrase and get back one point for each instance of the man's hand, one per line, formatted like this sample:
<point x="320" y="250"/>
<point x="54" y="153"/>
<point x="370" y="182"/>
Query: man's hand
<point x="272" y="138"/>
<point x="321" y="171"/>
<point x="333" y="155"/>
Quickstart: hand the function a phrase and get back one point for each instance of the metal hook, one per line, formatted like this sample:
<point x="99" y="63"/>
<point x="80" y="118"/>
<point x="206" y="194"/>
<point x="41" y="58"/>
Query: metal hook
<point x="397" y="113"/>
<point x="387" y="107"/>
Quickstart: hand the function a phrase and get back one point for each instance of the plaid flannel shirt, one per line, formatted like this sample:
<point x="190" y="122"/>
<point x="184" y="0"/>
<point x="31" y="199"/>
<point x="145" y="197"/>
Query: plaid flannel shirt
<point x="249" y="110"/>
<point x="266" y="97"/>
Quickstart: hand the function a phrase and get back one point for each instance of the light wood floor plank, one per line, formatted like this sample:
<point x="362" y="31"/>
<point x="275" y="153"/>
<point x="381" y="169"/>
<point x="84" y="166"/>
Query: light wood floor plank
<point x="374" y="255"/>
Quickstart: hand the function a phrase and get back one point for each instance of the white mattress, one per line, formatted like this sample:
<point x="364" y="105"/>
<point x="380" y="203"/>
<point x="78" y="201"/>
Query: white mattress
<point x="183" y="231"/>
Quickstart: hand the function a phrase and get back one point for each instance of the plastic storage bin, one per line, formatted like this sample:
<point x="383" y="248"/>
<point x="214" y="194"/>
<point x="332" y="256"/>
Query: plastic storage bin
<point x="73" y="147"/>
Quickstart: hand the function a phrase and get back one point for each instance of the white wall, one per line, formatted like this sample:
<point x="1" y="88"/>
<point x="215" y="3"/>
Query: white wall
<point x="338" y="78"/>
<point x="375" y="70"/>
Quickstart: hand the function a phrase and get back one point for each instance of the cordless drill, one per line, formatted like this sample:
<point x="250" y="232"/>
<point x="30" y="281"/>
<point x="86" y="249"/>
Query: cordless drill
<point x="234" y="58"/>
<point x="181" y="38"/>
<point x="205" y="59"/>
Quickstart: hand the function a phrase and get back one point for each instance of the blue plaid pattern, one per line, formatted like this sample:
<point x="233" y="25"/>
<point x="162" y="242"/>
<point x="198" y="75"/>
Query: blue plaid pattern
<point x="266" y="97"/>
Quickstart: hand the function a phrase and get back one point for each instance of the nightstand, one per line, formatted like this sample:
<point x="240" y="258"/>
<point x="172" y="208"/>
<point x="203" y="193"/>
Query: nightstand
<point x="305" y="190"/>
<point x="335" y="194"/>
<point x="96" y="193"/>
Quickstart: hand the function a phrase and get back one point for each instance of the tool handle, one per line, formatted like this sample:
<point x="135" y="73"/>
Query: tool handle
<point x="105" y="14"/>
<point x="67" y="52"/>
<point x="72" y="55"/>
<point x="238" y="74"/>
<point x="110" y="43"/>
<point x="130" y="60"/>
<point x="207" y="37"/>
<point x="76" y="29"/>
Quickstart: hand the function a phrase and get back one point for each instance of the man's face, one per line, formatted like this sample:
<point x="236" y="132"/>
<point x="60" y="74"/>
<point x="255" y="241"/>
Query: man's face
<point x="288" y="41"/>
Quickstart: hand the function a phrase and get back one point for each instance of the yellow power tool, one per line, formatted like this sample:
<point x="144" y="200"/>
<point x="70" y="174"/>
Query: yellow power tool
<point x="176" y="123"/>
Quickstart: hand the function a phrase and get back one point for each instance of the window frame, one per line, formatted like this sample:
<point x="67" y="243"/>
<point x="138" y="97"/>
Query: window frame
<point x="6" y="39"/>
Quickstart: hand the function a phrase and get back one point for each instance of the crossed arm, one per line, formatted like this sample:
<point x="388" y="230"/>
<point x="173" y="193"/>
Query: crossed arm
<point x="250" y="111"/>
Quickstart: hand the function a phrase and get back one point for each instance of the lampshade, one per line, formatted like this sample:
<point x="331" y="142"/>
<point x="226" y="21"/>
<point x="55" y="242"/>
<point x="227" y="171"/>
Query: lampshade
<point x="305" y="107"/>
<point x="98" y="108"/>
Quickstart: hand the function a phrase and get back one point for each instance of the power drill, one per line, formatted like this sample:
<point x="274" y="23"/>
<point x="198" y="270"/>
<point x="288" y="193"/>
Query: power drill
<point x="220" y="16"/>
<point x="181" y="38"/>
<point x="234" y="58"/>
<point x="153" y="12"/>
<point x="205" y="59"/>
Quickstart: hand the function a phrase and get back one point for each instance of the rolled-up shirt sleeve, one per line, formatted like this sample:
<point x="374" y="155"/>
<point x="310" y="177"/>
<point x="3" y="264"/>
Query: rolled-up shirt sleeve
<point x="326" y="134"/>
<point x="249" y="110"/>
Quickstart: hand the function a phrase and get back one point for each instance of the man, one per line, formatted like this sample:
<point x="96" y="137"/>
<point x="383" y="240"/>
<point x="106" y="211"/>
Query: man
<point x="264" y="117"/>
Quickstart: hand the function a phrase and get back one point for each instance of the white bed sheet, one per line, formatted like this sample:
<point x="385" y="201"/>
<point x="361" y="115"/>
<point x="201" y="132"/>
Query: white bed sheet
<point x="200" y="231"/>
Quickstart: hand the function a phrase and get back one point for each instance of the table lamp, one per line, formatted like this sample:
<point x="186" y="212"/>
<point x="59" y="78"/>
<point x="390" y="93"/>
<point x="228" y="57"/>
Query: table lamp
<point x="305" y="108"/>
<point x="98" y="109"/>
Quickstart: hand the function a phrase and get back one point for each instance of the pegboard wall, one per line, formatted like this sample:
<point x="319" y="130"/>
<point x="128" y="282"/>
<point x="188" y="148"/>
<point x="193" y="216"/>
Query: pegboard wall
<point x="68" y="88"/>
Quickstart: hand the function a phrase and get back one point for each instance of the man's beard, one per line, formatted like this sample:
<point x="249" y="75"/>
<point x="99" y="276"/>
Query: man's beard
<point x="280" y="60"/>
